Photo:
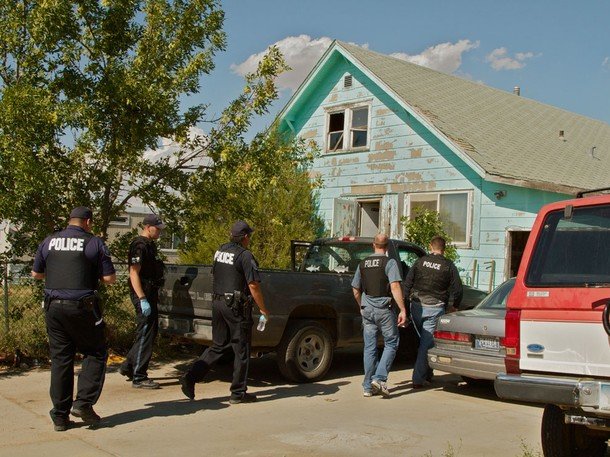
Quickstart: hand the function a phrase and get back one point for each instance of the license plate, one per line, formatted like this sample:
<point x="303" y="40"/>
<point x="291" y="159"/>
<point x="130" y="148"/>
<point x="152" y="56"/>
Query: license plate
<point x="488" y="343"/>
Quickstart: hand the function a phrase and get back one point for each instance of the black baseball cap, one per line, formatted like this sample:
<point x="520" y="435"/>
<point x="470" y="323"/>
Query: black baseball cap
<point x="81" y="212"/>
<point x="241" y="228"/>
<point x="153" y="219"/>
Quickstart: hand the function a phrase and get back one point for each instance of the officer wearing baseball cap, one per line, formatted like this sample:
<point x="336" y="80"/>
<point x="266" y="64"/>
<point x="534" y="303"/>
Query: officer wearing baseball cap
<point x="72" y="263"/>
<point x="236" y="282"/>
<point x="145" y="278"/>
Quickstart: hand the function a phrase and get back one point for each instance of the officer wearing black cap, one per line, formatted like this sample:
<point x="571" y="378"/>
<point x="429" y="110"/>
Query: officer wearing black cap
<point x="72" y="262"/>
<point x="236" y="282"/>
<point x="145" y="278"/>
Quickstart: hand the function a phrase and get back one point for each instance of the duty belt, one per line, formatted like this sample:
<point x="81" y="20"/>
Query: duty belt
<point x="66" y="302"/>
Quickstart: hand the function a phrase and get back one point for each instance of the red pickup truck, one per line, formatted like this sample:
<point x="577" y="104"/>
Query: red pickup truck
<point x="557" y="330"/>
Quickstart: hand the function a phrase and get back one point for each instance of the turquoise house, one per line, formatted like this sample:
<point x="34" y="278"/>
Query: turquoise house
<point x="394" y="135"/>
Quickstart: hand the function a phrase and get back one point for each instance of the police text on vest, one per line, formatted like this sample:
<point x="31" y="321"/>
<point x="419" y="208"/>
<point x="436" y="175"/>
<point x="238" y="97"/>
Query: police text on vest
<point x="224" y="257"/>
<point x="435" y="266"/>
<point x="372" y="263"/>
<point x="66" y="244"/>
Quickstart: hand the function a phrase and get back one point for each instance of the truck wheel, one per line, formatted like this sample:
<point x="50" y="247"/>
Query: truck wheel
<point x="565" y="440"/>
<point x="306" y="352"/>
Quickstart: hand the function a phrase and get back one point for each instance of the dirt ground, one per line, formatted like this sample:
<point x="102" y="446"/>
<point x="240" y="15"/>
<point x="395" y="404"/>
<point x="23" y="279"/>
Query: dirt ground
<point x="328" y="418"/>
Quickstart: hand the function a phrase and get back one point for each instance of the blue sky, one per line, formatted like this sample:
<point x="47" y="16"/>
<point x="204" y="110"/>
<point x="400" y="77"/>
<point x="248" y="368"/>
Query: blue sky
<point x="557" y="51"/>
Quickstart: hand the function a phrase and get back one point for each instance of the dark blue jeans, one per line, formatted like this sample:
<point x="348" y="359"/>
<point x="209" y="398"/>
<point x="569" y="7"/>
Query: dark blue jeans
<point x="376" y="320"/>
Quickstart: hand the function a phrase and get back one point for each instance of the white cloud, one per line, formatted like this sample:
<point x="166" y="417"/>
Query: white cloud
<point x="500" y="60"/>
<point x="445" y="57"/>
<point x="606" y="63"/>
<point x="169" y="147"/>
<point x="301" y="54"/>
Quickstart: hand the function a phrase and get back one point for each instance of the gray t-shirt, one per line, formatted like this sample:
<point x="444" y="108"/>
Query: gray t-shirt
<point x="393" y="274"/>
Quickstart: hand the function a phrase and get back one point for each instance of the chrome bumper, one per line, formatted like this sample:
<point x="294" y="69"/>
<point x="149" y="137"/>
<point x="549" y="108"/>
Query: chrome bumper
<point x="589" y="394"/>
<point x="466" y="364"/>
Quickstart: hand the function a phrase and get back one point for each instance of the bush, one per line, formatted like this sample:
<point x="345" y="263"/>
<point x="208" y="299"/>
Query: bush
<point x="423" y="225"/>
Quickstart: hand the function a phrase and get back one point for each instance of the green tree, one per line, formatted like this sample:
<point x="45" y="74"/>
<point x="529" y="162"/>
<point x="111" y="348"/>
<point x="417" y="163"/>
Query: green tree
<point x="267" y="183"/>
<point x="425" y="224"/>
<point x="87" y="87"/>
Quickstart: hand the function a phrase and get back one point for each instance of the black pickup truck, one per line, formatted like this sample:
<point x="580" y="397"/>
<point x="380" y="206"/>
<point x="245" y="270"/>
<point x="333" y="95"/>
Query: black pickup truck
<point x="312" y="308"/>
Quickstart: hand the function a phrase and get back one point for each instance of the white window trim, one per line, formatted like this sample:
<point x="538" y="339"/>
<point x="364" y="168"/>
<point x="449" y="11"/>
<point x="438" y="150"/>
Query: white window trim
<point x="469" y="194"/>
<point x="347" y="122"/>
<point x="117" y="223"/>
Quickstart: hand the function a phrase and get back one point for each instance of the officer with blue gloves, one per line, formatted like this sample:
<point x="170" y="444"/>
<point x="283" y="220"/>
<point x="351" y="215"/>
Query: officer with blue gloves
<point x="145" y="278"/>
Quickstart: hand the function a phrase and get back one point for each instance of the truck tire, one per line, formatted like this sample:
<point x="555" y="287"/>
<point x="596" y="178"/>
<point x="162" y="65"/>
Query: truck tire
<point x="565" y="440"/>
<point x="305" y="352"/>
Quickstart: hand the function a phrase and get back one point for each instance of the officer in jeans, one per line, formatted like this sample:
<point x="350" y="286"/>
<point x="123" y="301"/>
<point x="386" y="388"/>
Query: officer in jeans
<point x="145" y="277"/>
<point x="376" y="281"/>
<point x="235" y="282"/>
<point x="431" y="281"/>
<point x="72" y="262"/>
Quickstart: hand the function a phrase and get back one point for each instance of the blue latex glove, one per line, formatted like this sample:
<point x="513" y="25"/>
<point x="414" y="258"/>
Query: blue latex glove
<point x="145" y="307"/>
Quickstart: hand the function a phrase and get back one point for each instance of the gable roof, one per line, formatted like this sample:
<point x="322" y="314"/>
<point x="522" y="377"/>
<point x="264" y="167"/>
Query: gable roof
<point x="511" y="138"/>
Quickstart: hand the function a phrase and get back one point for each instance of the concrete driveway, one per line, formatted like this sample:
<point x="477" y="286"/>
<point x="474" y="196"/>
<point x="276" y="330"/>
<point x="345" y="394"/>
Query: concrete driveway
<point x="329" y="418"/>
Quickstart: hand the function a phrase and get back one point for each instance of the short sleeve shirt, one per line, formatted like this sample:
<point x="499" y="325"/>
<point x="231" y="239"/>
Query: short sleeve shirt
<point x="96" y="251"/>
<point x="393" y="274"/>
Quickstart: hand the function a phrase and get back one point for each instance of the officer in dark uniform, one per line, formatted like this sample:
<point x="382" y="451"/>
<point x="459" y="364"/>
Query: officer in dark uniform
<point x="235" y="282"/>
<point x="72" y="262"/>
<point x="431" y="281"/>
<point x="377" y="280"/>
<point x="145" y="278"/>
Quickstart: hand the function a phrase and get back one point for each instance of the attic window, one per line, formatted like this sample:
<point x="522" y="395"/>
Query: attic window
<point x="347" y="81"/>
<point x="347" y="129"/>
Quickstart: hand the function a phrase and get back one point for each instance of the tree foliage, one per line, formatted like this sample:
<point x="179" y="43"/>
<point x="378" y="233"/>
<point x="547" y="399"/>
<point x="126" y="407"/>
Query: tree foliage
<point x="85" y="89"/>
<point x="423" y="225"/>
<point x="266" y="183"/>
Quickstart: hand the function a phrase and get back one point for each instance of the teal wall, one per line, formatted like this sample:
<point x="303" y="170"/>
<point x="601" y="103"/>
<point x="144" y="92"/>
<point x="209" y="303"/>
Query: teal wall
<point x="405" y="157"/>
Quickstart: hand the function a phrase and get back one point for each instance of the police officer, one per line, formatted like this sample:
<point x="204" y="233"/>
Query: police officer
<point x="431" y="281"/>
<point x="235" y="281"/>
<point x="145" y="278"/>
<point x="376" y="281"/>
<point x="72" y="262"/>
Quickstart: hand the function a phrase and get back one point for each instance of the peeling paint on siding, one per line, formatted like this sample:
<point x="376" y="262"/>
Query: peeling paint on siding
<point x="348" y="160"/>
<point x="409" y="176"/>
<point x="430" y="160"/>
<point x="415" y="153"/>
<point x="336" y="172"/>
<point x="315" y="175"/>
<point x="333" y="98"/>
<point x="386" y="155"/>
<point x="381" y="166"/>
<point x="380" y="122"/>
<point x="383" y="111"/>
<point x="383" y="145"/>
<point x="368" y="189"/>
<point x="310" y="134"/>
<point x="413" y="186"/>
<point x="383" y="133"/>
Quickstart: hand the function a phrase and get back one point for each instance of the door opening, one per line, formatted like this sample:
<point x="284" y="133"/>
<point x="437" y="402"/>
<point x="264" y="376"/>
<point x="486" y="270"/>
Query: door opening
<point x="369" y="218"/>
<point x="516" y="245"/>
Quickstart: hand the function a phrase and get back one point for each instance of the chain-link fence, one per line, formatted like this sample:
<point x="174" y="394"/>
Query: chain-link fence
<point x="22" y="325"/>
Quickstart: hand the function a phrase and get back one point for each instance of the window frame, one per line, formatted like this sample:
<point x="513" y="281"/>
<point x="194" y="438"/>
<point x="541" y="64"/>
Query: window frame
<point x="469" y="216"/>
<point x="348" y="128"/>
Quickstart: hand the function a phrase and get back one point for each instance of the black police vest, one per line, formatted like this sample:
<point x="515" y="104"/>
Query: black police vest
<point x="374" y="280"/>
<point x="226" y="277"/>
<point x="152" y="269"/>
<point x="67" y="267"/>
<point x="433" y="277"/>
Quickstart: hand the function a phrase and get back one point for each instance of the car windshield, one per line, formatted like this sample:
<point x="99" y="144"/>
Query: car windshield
<point x="337" y="256"/>
<point x="497" y="299"/>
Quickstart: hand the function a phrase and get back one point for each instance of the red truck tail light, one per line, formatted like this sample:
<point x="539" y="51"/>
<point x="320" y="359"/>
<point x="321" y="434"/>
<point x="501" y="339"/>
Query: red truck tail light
<point x="511" y="340"/>
<point x="453" y="336"/>
<point x="346" y="238"/>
